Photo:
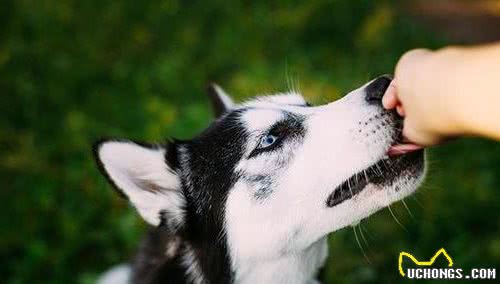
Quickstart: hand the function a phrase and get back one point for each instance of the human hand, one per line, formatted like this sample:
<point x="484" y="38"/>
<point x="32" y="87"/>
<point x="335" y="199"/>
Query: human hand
<point x="416" y="94"/>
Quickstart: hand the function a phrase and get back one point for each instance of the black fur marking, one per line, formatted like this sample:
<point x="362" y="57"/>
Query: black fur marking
<point x="208" y="173"/>
<point x="171" y="154"/>
<point x="290" y="128"/>
<point x="263" y="183"/>
<point x="171" y="223"/>
<point x="158" y="259"/>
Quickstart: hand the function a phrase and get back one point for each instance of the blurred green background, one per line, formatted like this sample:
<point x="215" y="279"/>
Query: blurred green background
<point x="74" y="71"/>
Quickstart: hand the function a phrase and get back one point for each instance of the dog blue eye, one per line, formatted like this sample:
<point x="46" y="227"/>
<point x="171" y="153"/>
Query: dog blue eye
<point x="268" y="140"/>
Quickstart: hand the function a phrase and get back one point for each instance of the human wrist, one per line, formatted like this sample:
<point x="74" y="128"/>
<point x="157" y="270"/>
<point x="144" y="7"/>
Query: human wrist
<point x="449" y="69"/>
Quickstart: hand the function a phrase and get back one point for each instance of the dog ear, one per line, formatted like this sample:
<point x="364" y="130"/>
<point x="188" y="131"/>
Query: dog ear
<point x="140" y="172"/>
<point x="221" y="102"/>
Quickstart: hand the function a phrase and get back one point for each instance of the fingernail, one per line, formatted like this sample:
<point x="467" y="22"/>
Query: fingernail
<point x="389" y="98"/>
<point x="400" y="110"/>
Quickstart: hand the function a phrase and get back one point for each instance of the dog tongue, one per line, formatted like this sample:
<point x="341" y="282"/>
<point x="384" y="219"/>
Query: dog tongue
<point x="401" y="149"/>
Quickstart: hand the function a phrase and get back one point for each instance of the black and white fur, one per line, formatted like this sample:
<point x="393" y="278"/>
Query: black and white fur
<point x="253" y="197"/>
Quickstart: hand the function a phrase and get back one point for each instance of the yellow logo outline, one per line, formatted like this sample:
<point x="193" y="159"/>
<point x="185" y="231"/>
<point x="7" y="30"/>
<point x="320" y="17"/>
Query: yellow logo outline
<point x="422" y="263"/>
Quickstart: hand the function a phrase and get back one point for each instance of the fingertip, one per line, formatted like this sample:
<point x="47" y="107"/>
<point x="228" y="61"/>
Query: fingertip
<point x="389" y="100"/>
<point x="400" y="110"/>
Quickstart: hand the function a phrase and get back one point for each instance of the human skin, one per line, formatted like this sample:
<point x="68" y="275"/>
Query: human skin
<point x="451" y="92"/>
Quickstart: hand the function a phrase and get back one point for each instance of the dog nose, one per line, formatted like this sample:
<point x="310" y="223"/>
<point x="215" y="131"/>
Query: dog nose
<point x="376" y="89"/>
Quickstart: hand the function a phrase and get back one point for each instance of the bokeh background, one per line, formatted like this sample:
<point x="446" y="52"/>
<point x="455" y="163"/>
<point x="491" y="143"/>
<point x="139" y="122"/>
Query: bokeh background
<point x="73" y="71"/>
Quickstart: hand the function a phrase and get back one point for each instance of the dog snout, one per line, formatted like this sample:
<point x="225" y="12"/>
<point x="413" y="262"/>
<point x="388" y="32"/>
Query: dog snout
<point x="376" y="89"/>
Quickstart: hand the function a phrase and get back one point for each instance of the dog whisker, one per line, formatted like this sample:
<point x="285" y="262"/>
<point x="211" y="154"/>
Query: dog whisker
<point x="381" y="173"/>
<point x="389" y="167"/>
<point x="408" y="209"/>
<point x="396" y="219"/>
<point x="414" y="197"/>
<point x="360" y="229"/>
<point x="350" y="189"/>
<point x="360" y="246"/>
<point x="366" y="176"/>
<point x="364" y="229"/>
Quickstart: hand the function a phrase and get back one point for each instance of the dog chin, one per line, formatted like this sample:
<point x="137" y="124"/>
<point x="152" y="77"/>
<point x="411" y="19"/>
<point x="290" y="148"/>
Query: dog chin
<point x="400" y="184"/>
<point x="408" y="179"/>
<point x="376" y="196"/>
<point x="397" y="177"/>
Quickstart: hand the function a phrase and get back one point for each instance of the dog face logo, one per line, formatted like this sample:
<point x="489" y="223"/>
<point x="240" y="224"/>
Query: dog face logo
<point x="429" y="263"/>
<point x="431" y="270"/>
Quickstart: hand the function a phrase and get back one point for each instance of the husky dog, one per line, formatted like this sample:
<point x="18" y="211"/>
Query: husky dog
<point x="254" y="196"/>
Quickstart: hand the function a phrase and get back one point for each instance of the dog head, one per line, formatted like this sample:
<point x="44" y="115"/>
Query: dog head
<point x="269" y="176"/>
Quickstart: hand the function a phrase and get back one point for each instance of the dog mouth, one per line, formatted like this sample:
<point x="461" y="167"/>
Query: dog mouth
<point x="383" y="173"/>
<point x="403" y="159"/>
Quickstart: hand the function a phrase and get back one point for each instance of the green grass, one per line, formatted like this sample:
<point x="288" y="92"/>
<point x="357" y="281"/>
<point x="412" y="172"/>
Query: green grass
<point x="73" y="71"/>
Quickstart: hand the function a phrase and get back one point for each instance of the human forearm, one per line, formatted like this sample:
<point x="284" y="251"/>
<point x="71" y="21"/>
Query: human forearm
<point x="474" y="84"/>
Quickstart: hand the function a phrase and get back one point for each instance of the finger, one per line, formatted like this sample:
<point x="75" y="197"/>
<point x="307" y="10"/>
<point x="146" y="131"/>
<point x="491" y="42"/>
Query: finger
<point x="400" y="110"/>
<point x="390" y="98"/>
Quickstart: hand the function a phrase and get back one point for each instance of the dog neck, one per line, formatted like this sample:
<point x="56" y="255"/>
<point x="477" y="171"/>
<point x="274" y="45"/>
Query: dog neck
<point x="294" y="268"/>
